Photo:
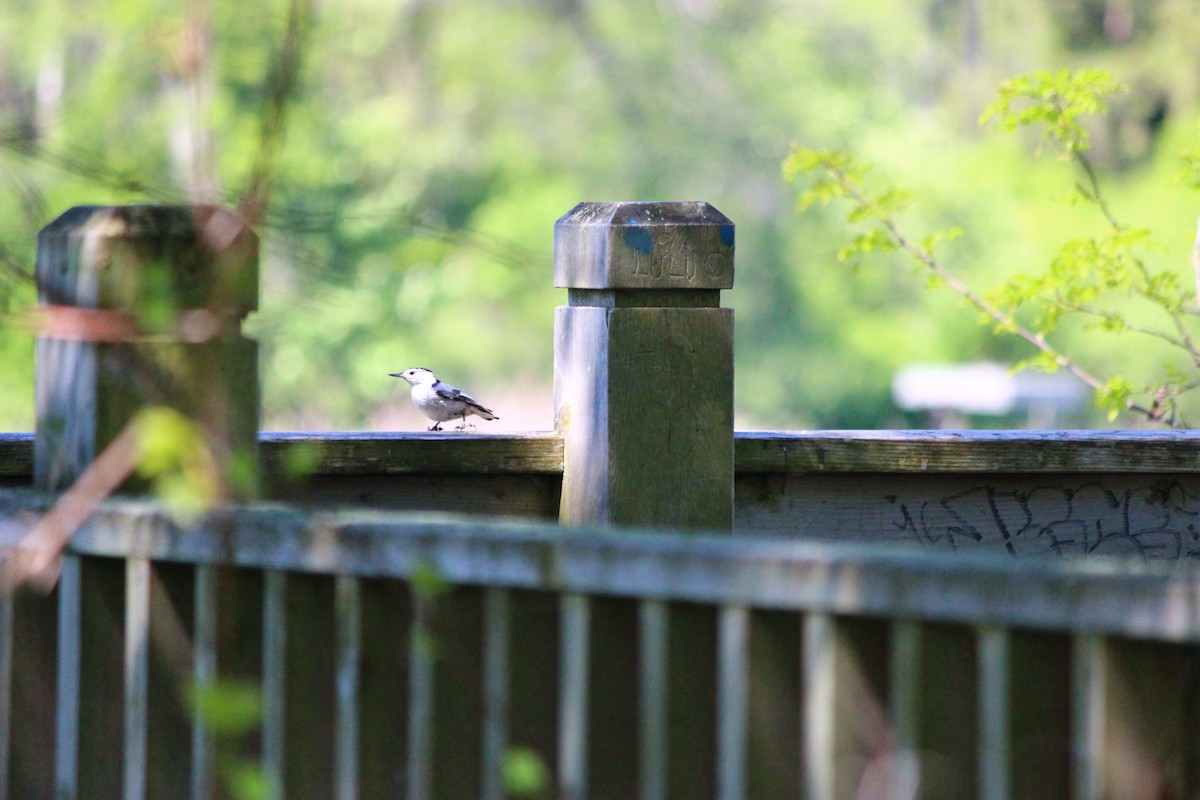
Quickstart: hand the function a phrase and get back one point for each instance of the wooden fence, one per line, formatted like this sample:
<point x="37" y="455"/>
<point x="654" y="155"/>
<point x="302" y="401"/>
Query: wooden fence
<point x="645" y="665"/>
<point x="821" y="615"/>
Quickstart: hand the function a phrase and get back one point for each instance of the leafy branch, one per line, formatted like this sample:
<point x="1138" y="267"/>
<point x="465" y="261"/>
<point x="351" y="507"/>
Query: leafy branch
<point x="1083" y="276"/>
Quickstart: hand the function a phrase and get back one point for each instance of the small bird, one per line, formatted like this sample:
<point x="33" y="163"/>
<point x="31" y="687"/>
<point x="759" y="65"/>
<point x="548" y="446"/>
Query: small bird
<point x="440" y="401"/>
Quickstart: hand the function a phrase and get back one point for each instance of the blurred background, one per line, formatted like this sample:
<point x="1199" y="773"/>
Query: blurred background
<point x="405" y="161"/>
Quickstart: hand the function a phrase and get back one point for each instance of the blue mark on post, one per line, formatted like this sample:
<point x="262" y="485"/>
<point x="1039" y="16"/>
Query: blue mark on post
<point x="727" y="235"/>
<point x="639" y="239"/>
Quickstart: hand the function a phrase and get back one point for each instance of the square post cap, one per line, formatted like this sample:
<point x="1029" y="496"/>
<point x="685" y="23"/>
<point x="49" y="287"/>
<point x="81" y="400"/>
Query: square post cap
<point x="129" y="257"/>
<point x="643" y="245"/>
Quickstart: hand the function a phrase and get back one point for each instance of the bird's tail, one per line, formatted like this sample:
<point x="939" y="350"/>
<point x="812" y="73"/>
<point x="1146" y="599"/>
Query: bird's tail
<point x="478" y="409"/>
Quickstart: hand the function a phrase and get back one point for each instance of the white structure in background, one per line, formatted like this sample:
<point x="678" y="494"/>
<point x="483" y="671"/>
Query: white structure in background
<point x="984" y="388"/>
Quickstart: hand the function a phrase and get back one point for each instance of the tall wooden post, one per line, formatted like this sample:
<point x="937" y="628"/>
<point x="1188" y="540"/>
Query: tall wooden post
<point x="142" y="305"/>
<point x="139" y="306"/>
<point x="643" y="364"/>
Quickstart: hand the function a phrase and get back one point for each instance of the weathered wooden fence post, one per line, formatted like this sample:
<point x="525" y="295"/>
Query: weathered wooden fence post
<point x="139" y="306"/>
<point x="643" y="364"/>
<point x="142" y="305"/>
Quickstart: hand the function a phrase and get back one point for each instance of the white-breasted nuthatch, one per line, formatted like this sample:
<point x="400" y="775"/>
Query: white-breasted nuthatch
<point x="439" y="401"/>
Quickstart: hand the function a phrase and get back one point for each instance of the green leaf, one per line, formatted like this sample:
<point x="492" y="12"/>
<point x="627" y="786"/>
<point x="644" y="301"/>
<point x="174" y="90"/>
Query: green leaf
<point x="229" y="708"/>
<point x="525" y="773"/>
<point x="1114" y="396"/>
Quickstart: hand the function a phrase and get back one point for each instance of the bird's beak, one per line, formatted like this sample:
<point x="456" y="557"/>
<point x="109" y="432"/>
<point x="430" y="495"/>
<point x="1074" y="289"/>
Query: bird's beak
<point x="395" y="375"/>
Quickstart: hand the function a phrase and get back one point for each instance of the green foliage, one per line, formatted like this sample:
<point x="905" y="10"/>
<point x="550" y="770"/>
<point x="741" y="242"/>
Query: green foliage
<point x="1057" y="102"/>
<point x="525" y="773"/>
<point x="228" y="708"/>
<point x="173" y="455"/>
<point x="1098" y="278"/>
<point x="231" y="710"/>
<point x="427" y="148"/>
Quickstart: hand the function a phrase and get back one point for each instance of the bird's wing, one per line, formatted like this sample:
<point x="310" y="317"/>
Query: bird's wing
<point x="448" y="392"/>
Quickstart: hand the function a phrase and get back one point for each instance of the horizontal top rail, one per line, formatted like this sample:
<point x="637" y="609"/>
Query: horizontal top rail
<point x="1156" y="600"/>
<point x="794" y="452"/>
<point x="968" y="451"/>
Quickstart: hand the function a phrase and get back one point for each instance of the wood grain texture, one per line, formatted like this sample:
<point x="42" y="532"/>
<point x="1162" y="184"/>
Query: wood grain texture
<point x="671" y="245"/>
<point x="1151" y="600"/>
<point x="767" y="452"/>
<point x="644" y="398"/>
<point x="1054" y="516"/>
<point x="163" y="270"/>
<point x="796" y="452"/>
<point x="372" y="453"/>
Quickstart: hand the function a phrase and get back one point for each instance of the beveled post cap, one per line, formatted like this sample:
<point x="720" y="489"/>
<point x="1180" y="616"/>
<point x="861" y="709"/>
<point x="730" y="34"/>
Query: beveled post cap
<point x="643" y="245"/>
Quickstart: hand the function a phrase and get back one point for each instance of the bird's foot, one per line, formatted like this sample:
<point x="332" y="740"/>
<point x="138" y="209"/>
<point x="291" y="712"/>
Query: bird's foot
<point x="437" y="426"/>
<point x="466" y="426"/>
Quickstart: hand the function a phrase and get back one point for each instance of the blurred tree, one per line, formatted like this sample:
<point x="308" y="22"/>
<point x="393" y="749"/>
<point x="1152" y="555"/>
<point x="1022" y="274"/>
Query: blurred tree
<point x="422" y="151"/>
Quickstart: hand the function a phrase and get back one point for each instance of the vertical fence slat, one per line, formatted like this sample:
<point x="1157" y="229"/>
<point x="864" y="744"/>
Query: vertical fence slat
<point x="654" y="622"/>
<point x="349" y="657"/>
<point x="995" y="755"/>
<point x="904" y="701"/>
<point x="274" y="680"/>
<point x="819" y="667"/>
<point x="420" y="704"/>
<point x="137" y="676"/>
<point x="6" y="696"/>
<point x="204" y="667"/>
<point x="573" y="688"/>
<point x="497" y="624"/>
<point x="66" y="724"/>
<point x="732" y="697"/>
<point x="1088" y="677"/>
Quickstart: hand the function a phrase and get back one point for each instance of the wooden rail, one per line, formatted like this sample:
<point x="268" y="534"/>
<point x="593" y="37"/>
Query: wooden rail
<point x="633" y="664"/>
<point x="1059" y="494"/>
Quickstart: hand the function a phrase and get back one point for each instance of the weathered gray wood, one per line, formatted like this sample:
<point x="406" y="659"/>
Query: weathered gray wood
<point x="348" y="612"/>
<point x="531" y="496"/>
<point x="137" y="677"/>
<point x="1068" y="515"/>
<point x="497" y="652"/>
<point x="653" y="631"/>
<point x="573" y="695"/>
<point x="692" y="700"/>
<point x="675" y="245"/>
<point x="643" y="395"/>
<point x="101" y="679"/>
<point x="171" y="760"/>
<point x="457" y="650"/>
<point x="776" y="707"/>
<point x="204" y="677"/>
<point x="534" y="678"/>
<point x="733" y="652"/>
<point x="1153" y="600"/>
<point x="949" y="717"/>
<point x="274" y="681"/>
<point x="7" y="639"/>
<point x="376" y="453"/>
<point x="421" y="676"/>
<point x="795" y="452"/>
<point x="613" y="693"/>
<point x="67" y="716"/>
<point x="848" y="737"/>
<point x="142" y="305"/>
<point x="310" y="730"/>
<point x="387" y="622"/>
<point x="1040" y="709"/>
<point x="756" y="452"/>
<point x="820" y="686"/>
<point x="995" y="730"/>
<point x="1136" y="712"/>
<point x="905" y="673"/>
